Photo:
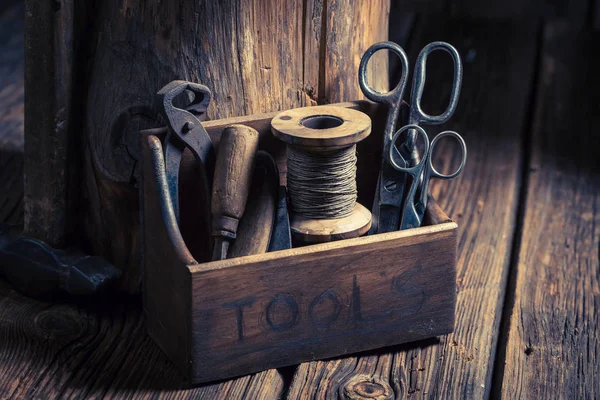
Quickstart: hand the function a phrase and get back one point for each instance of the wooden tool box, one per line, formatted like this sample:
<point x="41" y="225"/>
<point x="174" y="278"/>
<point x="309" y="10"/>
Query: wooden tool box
<point x="221" y="319"/>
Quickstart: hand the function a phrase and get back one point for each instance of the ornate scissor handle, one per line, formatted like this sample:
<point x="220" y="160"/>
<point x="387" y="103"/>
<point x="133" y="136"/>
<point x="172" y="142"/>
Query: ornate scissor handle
<point x="463" y="149"/>
<point x="391" y="154"/>
<point x="417" y="115"/>
<point x="394" y="96"/>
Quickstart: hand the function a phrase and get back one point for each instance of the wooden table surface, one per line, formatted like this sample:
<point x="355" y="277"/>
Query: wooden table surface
<point x="528" y="210"/>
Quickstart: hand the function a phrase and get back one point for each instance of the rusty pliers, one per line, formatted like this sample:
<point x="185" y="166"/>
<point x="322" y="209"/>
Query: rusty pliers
<point x="185" y="130"/>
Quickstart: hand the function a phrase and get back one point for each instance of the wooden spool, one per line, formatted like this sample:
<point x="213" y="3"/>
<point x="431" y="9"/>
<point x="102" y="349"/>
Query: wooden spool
<point x="318" y="130"/>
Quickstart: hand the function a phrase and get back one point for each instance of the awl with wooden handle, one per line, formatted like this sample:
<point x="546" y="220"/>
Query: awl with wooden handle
<point x="255" y="229"/>
<point x="231" y="184"/>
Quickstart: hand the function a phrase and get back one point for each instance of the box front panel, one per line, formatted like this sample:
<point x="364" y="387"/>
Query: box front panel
<point x="313" y="304"/>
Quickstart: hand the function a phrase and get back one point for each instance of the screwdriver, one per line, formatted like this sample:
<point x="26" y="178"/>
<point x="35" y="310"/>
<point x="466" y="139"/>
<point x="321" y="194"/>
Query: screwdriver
<point x="231" y="184"/>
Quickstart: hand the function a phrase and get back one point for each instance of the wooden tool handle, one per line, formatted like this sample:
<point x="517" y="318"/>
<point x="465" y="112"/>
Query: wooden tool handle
<point x="233" y="171"/>
<point x="254" y="231"/>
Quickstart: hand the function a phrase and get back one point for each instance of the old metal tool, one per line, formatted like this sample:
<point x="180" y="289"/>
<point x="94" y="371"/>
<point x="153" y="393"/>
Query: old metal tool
<point x="185" y="131"/>
<point x="415" y="203"/>
<point x="387" y="206"/>
<point x="233" y="171"/>
<point x="281" y="237"/>
<point x="256" y="227"/>
<point x="39" y="270"/>
<point x="321" y="178"/>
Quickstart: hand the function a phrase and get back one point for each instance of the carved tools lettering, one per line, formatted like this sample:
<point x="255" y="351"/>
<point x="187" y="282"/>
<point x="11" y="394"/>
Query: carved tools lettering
<point x="233" y="172"/>
<point x="321" y="176"/>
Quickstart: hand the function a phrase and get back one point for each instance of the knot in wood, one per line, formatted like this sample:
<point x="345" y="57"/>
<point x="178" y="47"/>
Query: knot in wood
<point x="362" y="387"/>
<point x="58" y="323"/>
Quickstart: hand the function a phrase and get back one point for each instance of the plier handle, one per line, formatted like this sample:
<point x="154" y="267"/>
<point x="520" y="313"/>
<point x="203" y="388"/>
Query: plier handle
<point x="185" y="130"/>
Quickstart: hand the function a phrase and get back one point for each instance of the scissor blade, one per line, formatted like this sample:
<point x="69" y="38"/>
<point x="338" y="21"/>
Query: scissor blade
<point x="412" y="217"/>
<point x="281" y="235"/>
<point x="387" y="204"/>
<point x="389" y="219"/>
<point x="375" y="210"/>
<point x="391" y="197"/>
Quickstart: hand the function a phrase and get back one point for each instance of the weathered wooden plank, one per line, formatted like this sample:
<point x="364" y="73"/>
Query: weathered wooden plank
<point x="11" y="115"/>
<point x="50" y="151"/>
<point x="553" y="348"/>
<point x="498" y="64"/>
<point x="11" y="79"/>
<point x="314" y="31"/>
<point x="254" y="312"/>
<point x="97" y="350"/>
<point x="333" y="45"/>
<point x="365" y="23"/>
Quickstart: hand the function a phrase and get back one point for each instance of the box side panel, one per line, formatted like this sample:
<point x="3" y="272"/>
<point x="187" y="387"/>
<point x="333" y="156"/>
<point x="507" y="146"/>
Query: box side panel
<point x="312" y="304"/>
<point x="166" y="284"/>
<point x="452" y="282"/>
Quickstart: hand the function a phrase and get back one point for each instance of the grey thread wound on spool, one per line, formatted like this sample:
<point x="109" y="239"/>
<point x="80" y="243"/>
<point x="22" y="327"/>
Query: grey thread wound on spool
<point x="322" y="185"/>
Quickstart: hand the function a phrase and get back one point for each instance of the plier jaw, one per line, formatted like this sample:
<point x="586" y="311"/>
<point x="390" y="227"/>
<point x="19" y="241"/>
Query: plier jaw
<point x="185" y="130"/>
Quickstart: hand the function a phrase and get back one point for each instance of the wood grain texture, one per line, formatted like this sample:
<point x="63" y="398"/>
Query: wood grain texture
<point x="346" y="39"/>
<point x="248" y="53"/>
<point x="553" y="348"/>
<point x="314" y="34"/>
<point x="97" y="349"/>
<point x="11" y="78"/>
<point x="483" y="200"/>
<point x="11" y="114"/>
<point x="50" y="149"/>
<point x="277" y="309"/>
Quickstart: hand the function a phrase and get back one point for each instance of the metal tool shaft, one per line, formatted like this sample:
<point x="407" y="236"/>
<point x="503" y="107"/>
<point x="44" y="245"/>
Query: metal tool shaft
<point x="281" y="238"/>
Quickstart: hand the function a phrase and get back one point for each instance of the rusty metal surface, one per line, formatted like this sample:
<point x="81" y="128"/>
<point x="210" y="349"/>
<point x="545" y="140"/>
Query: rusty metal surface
<point x="281" y="237"/>
<point x="185" y="131"/>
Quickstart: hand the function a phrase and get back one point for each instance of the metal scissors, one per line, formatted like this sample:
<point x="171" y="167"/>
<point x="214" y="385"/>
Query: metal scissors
<point x="185" y="131"/>
<point x="389" y="197"/>
<point x="415" y="202"/>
